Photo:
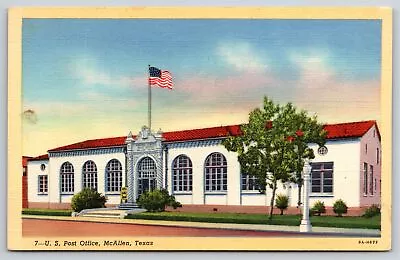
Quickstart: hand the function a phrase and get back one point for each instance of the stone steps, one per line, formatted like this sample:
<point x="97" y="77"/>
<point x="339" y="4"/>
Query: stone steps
<point x="100" y="216"/>
<point x="102" y="213"/>
<point x="128" y="206"/>
<point x="110" y="213"/>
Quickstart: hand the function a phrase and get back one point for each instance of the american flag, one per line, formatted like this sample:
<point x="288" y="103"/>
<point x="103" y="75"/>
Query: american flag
<point x="161" y="78"/>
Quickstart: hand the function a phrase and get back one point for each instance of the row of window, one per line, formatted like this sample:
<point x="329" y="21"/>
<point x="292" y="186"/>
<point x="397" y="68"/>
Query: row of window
<point x="89" y="176"/>
<point x="377" y="153"/>
<point x="215" y="170"/>
<point x="216" y="176"/>
<point x="369" y="185"/>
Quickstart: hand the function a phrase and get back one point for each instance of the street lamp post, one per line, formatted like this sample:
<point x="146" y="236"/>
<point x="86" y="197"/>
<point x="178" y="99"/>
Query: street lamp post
<point x="305" y="225"/>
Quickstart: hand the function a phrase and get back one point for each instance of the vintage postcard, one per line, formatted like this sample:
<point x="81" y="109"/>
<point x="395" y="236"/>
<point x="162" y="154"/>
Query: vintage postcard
<point x="250" y="129"/>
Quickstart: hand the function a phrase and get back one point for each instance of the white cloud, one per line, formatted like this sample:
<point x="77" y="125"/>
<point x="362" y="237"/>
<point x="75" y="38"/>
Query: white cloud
<point x="91" y="74"/>
<point x="242" y="56"/>
<point x="322" y="90"/>
<point x="314" y="69"/>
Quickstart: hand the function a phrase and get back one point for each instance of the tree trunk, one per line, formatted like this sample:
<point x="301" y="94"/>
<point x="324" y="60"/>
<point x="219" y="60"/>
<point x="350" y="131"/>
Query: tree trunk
<point x="272" y="200"/>
<point x="299" y="195"/>
<point x="281" y="212"/>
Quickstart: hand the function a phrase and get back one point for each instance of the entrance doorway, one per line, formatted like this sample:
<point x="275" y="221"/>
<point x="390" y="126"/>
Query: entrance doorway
<point x="146" y="175"/>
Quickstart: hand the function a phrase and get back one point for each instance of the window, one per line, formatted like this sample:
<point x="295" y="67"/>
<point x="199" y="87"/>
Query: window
<point x="147" y="168"/>
<point x="377" y="155"/>
<point x="249" y="183"/>
<point x="216" y="173"/>
<point x="42" y="184"/>
<point x="323" y="150"/>
<point x="89" y="174"/>
<point x="67" y="178"/>
<point x="322" y="177"/>
<point x="113" y="176"/>
<point x="182" y="173"/>
<point x="366" y="148"/>
<point x="43" y="167"/>
<point x="365" y="189"/>
<point x="371" y="180"/>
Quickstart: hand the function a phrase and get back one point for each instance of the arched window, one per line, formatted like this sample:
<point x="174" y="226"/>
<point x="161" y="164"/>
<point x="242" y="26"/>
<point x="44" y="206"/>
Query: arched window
<point x="113" y="176"/>
<point x="147" y="175"/>
<point x="216" y="173"/>
<point x="147" y="168"/>
<point x="67" y="178"/>
<point x="182" y="174"/>
<point x="89" y="174"/>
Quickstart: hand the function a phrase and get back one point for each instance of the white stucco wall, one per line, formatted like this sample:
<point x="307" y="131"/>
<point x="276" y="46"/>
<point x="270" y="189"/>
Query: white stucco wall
<point x="344" y="153"/>
<point x="345" y="156"/>
<point x="33" y="172"/>
<point x="254" y="199"/>
<point x="100" y="160"/>
<point x="198" y="156"/>
<point x="346" y="176"/>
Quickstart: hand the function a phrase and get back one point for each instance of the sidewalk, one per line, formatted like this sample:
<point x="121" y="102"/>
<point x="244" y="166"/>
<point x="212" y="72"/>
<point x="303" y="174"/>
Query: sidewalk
<point x="323" y="231"/>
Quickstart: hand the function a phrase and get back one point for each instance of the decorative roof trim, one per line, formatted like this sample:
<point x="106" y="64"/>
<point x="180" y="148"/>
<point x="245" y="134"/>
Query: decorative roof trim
<point x="85" y="149"/>
<point x="91" y="151"/>
<point x="195" y="143"/>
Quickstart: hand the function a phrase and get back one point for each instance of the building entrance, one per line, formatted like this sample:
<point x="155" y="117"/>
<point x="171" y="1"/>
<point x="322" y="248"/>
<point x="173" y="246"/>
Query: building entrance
<point x="146" y="175"/>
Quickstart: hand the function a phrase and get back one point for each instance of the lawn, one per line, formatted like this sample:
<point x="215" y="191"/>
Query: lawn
<point x="288" y="220"/>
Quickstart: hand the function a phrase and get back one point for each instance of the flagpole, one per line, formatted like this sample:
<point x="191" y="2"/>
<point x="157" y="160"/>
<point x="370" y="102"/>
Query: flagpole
<point x="149" y="101"/>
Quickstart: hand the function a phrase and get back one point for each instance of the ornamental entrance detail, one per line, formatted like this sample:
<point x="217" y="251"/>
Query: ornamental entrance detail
<point x="144" y="163"/>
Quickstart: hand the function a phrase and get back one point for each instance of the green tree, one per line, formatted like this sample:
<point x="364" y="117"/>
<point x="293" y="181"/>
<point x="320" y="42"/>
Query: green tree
<point x="309" y="131"/>
<point x="274" y="144"/>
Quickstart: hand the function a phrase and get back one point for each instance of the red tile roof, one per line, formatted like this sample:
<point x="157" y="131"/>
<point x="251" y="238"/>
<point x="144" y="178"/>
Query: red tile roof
<point x="95" y="143"/>
<point x="204" y="133"/>
<point x="348" y="130"/>
<point x="345" y="130"/>
<point x="39" y="158"/>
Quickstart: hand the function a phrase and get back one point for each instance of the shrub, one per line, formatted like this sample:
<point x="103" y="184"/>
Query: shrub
<point x="372" y="211"/>
<point x="88" y="199"/>
<point x="318" y="208"/>
<point x="282" y="202"/>
<point x="340" y="207"/>
<point x="156" y="200"/>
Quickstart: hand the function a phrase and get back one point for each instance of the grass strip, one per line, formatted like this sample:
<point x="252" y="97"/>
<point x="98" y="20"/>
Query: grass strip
<point x="261" y="219"/>
<point x="47" y="212"/>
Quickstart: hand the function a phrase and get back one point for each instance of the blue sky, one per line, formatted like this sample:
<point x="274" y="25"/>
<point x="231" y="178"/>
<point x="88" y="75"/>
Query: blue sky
<point x="87" y="78"/>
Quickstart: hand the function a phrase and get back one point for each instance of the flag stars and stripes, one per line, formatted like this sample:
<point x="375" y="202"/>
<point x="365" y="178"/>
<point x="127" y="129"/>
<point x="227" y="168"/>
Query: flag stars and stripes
<point x="161" y="78"/>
